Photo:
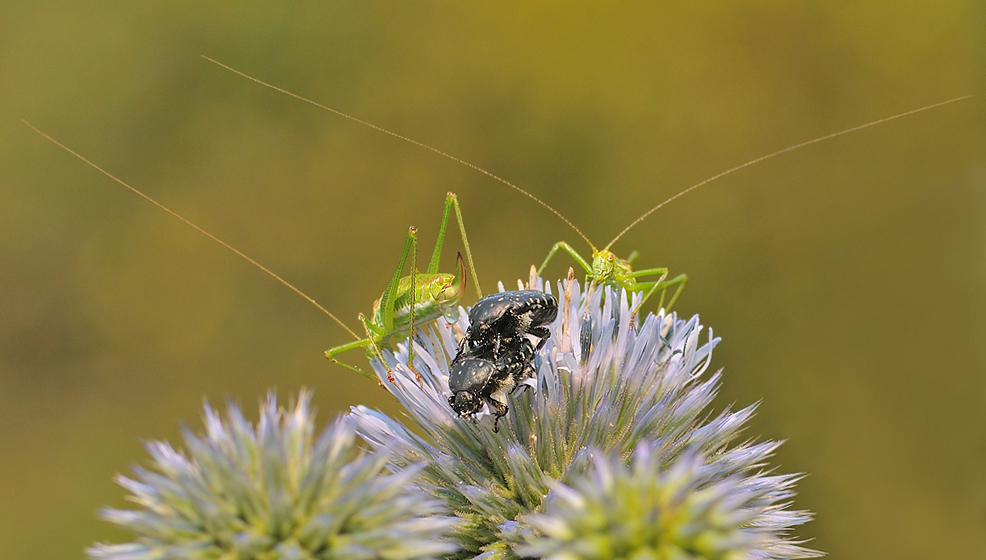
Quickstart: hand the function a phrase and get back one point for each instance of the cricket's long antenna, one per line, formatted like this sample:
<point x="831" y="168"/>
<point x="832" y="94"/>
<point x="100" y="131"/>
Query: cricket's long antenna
<point x="777" y="153"/>
<point x="189" y="222"/>
<point x="410" y="140"/>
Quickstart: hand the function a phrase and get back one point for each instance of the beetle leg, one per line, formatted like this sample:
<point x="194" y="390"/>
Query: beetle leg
<point x="543" y="333"/>
<point x="499" y="411"/>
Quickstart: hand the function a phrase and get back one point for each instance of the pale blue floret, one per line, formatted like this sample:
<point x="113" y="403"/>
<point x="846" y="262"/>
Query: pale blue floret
<point x="651" y="509"/>
<point x="639" y="390"/>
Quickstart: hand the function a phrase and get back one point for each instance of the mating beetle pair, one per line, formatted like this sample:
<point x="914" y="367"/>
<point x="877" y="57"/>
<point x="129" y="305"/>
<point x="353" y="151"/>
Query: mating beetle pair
<point x="496" y="356"/>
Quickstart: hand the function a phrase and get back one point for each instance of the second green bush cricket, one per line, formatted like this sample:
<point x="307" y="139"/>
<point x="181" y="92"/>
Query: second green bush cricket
<point x="604" y="268"/>
<point x="417" y="298"/>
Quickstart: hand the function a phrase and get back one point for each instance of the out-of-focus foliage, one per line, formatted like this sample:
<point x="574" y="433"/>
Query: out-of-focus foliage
<point x="846" y="278"/>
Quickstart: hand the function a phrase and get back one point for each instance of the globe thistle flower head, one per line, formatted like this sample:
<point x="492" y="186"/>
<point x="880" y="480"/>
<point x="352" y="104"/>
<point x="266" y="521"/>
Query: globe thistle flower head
<point x="606" y="384"/>
<point x="648" y="509"/>
<point x="275" y="492"/>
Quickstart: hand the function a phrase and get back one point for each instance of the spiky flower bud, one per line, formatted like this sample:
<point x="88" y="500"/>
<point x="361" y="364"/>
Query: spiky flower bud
<point x="275" y="492"/>
<point x="652" y="510"/>
<point x="604" y="385"/>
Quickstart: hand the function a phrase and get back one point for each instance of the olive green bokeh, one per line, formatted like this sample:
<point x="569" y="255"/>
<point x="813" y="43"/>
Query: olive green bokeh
<point x="847" y="279"/>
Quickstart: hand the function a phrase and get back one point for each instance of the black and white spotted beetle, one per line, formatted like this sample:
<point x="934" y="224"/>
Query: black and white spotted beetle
<point x="509" y="315"/>
<point x="495" y="356"/>
<point x="476" y="377"/>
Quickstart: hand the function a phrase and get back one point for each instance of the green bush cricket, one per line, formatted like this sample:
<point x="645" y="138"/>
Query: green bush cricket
<point x="414" y="299"/>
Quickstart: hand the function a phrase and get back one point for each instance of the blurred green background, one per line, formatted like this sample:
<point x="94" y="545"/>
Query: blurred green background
<point x="846" y="279"/>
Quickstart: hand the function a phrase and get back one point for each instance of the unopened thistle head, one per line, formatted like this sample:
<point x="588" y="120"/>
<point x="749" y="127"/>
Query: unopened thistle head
<point x="276" y="492"/>
<point x="652" y="509"/>
<point x="613" y="401"/>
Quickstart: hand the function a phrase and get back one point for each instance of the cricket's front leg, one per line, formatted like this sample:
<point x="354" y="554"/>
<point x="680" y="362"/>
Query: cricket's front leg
<point x="568" y="249"/>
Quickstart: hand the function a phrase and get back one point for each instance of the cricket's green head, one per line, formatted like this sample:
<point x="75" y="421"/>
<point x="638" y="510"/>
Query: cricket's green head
<point x="605" y="266"/>
<point x="610" y="270"/>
